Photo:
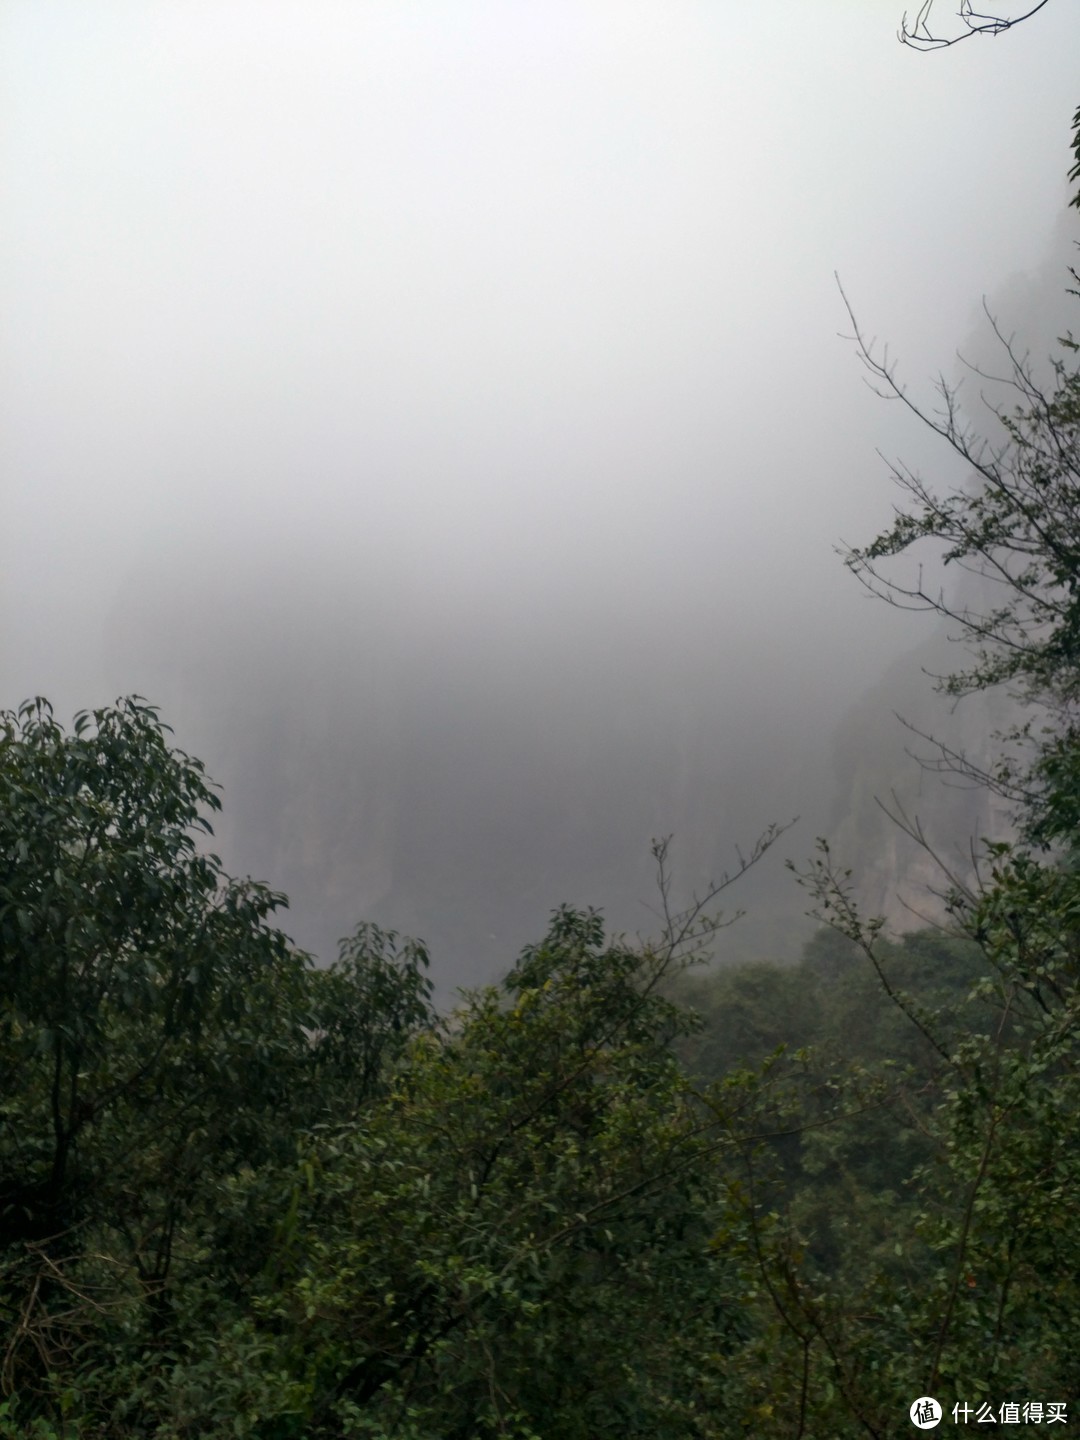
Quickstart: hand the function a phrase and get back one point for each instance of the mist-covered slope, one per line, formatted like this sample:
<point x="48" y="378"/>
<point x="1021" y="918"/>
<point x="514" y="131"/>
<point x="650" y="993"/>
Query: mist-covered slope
<point x="457" y="777"/>
<point x="454" y="747"/>
<point x="888" y="767"/>
<point x="892" y="779"/>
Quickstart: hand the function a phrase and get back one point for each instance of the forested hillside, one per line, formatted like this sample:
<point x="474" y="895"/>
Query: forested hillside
<point x="612" y="1195"/>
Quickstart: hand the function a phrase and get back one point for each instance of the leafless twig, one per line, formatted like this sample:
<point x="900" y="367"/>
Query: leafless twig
<point x="920" y="37"/>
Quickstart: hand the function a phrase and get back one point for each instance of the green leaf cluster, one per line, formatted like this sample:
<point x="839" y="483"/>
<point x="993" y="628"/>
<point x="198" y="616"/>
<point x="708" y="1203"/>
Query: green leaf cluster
<point x="242" y="1196"/>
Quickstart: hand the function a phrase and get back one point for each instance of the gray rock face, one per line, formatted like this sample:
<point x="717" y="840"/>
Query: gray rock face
<point x="877" y="760"/>
<point x="457" y="779"/>
<point x="892" y="780"/>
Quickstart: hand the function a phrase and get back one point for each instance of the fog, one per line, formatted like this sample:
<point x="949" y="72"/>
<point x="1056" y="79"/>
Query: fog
<point x="442" y="412"/>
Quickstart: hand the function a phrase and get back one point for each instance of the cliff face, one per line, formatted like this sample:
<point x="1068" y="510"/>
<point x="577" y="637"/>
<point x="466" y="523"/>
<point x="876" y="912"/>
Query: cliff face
<point x="876" y="758"/>
<point x="883" y="765"/>
<point x="459" y="779"/>
<point x="456" y="761"/>
<point x="460" y="791"/>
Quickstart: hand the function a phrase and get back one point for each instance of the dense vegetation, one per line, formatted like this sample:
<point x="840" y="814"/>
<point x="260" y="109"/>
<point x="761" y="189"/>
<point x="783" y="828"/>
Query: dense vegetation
<point x="242" y="1196"/>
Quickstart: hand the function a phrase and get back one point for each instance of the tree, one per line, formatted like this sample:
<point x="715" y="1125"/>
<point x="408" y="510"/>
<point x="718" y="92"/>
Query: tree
<point x="1015" y="528"/>
<point x="245" y="1198"/>
<point x="517" y="1240"/>
<point x="150" y="1021"/>
<point x="988" y="1237"/>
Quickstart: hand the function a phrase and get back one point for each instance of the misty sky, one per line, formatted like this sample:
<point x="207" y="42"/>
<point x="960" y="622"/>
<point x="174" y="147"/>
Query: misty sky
<point x="504" y="329"/>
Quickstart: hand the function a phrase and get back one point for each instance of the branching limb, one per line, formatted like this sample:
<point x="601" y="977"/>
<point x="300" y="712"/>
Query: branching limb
<point x="919" y="36"/>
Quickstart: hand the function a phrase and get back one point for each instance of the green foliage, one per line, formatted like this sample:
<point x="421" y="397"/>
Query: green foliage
<point x="147" y="1015"/>
<point x="364" y="1009"/>
<point x="243" y="1197"/>
<point x="982" y="1233"/>
<point x="991" y="1193"/>
<point x="526" y="1211"/>
<point x="920" y="1237"/>
<point x="161" y="1048"/>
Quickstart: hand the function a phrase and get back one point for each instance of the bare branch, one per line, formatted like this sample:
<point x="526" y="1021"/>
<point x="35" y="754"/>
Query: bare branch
<point x="919" y="36"/>
<point x="685" y="934"/>
<point x="1015" y="528"/>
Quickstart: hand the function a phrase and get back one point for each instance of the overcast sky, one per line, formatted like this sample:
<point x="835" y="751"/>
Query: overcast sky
<point x="518" y="319"/>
